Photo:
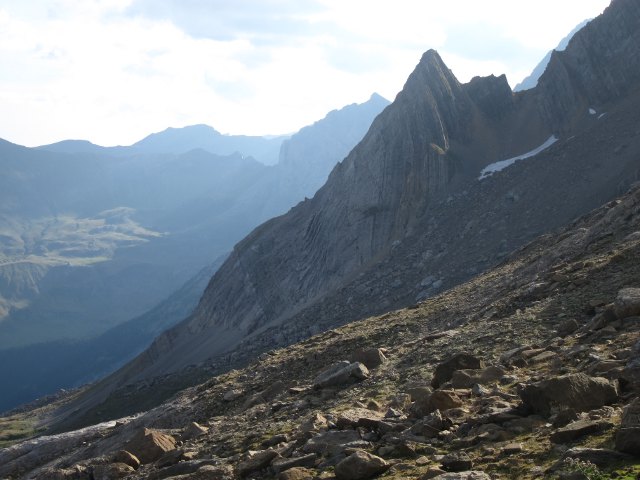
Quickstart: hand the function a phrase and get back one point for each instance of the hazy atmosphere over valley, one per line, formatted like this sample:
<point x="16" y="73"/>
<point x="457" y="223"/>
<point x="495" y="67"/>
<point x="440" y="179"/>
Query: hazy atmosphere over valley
<point x="319" y="239"/>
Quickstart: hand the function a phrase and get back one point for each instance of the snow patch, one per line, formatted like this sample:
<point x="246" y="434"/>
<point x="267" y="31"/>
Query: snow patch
<point x="502" y="164"/>
<point x="601" y="115"/>
<point x="592" y="111"/>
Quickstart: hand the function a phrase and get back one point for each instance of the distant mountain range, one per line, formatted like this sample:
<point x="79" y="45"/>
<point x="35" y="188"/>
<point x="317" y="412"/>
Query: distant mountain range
<point x="92" y="237"/>
<point x="182" y="140"/>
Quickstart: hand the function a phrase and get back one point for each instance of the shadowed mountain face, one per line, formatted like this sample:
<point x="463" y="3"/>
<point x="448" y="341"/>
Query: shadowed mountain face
<point x="405" y="214"/>
<point x="92" y="239"/>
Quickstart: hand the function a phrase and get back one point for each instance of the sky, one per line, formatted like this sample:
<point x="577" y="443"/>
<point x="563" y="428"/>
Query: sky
<point x="114" y="71"/>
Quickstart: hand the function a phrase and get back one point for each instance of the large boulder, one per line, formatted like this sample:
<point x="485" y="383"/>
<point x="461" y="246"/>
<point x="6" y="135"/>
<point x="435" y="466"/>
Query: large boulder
<point x="577" y="391"/>
<point x="341" y="373"/>
<point x="456" y="462"/>
<point x="255" y="461"/>
<point x="371" y="358"/>
<point x="628" y="436"/>
<point x="149" y="445"/>
<point x="627" y="303"/>
<point x="443" y="400"/>
<point x="360" y="465"/>
<point x="461" y="361"/>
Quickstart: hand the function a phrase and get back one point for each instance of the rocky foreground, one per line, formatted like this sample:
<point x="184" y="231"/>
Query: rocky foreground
<point x="530" y="370"/>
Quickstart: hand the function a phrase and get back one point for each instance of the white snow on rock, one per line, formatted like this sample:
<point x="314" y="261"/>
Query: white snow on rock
<point x="502" y="164"/>
<point x="601" y="115"/>
<point x="592" y="111"/>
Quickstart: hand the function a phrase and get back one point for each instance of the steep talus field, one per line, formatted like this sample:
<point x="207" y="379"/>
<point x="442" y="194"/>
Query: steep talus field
<point x="444" y="386"/>
<point x="405" y="215"/>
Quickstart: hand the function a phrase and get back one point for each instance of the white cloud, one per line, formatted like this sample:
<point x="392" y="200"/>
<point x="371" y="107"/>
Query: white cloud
<point x="112" y="71"/>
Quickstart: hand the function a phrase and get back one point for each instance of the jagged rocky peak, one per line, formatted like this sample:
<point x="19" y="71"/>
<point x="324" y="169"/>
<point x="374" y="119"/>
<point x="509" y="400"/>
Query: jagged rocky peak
<point x="372" y="198"/>
<point x="491" y="94"/>
<point x="589" y="74"/>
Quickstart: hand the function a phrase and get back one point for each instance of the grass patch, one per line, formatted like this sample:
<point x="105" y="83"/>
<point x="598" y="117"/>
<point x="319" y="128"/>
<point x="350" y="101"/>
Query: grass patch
<point x="15" y="429"/>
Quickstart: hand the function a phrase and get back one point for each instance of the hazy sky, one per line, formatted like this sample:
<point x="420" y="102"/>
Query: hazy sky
<point x="113" y="71"/>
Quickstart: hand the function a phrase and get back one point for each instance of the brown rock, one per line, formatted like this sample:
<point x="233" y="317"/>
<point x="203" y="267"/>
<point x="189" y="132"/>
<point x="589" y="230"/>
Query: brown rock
<point x="568" y="326"/>
<point x="456" y="462"/>
<point x="281" y="464"/>
<point x="111" y="471"/>
<point x="265" y="396"/>
<point x="371" y="358"/>
<point x="512" y="449"/>
<point x="600" y="320"/>
<point x="545" y="356"/>
<point x="420" y="394"/>
<point x="231" y="395"/>
<point x="341" y="373"/>
<point x="127" y="458"/>
<point x="360" y="465"/>
<point x="432" y="472"/>
<point x="443" y="400"/>
<point x="149" y="445"/>
<point x="275" y="440"/>
<point x="466" y="378"/>
<point x="297" y="473"/>
<point x="600" y="457"/>
<point x="444" y="371"/>
<point x="170" y="458"/>
<point x="431" y="425"/>
<point x="256" y="461"/>
<point x="77" y="472"/>
<point x="333" y="442"/>
<point x="359" y="417"/>
<point x="579" y="429"/>
<point x="627" y="303"/>
<point x="314" y="423"/>
<point x="194" y="430"/>
<point x="577" y="391"/>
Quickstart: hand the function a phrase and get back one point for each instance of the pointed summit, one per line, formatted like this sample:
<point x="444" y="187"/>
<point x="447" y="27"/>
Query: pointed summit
<point x="432" y="74"/>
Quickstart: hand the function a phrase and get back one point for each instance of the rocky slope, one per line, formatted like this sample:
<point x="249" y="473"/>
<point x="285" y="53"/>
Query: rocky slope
<point x="405" y="215"/>
<point x="530" y="369"/>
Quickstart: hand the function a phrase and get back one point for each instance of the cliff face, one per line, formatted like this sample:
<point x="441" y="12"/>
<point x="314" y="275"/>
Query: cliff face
<point x="404" y="215"/>
<point x="429" y="142"/>
<point x="601" y="64"/>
